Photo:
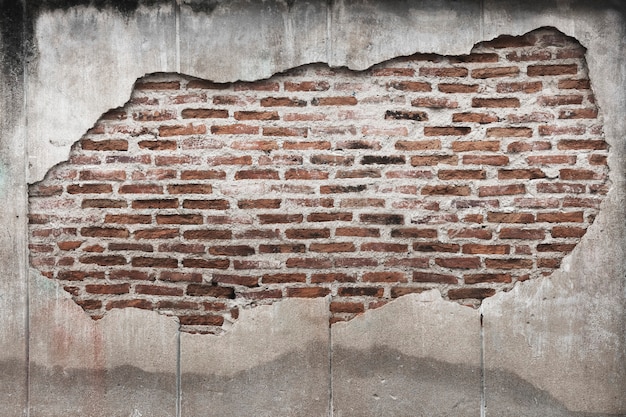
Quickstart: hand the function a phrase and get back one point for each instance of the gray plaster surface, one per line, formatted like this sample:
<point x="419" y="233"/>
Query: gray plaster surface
<point x="122" y="365"/>
<point x="13" y="241"/>
<point x="87" y="61"/>
<point x="419" y="355"/>
<point x="560" y="340"/>
<point x="274" y="361"/>
<point x="566" y="335"/>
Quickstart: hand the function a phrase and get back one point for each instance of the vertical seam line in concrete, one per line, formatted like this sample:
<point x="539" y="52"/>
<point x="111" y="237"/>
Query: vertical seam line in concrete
<point x="483" y="410"/>
<point x="330" y="372"/>
<point x="177" y="30"/>
<point x="329" y="38"/>
<point x="178" y="376"/>
<point x="482" y="20"/>
<point x="24" y="222"/>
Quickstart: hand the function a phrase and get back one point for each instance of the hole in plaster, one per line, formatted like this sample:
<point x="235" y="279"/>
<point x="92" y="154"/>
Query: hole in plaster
<point x="461" y="173"/>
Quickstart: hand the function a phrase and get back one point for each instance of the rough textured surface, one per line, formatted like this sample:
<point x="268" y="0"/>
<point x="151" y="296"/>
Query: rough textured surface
<point x="62" y="115"/>
<point x="13" y="277"/>
<point x="467" y="173"/>
<point x="274" y="361"/>
<point x="124" y="364"/>
<point x="403" y="359"/>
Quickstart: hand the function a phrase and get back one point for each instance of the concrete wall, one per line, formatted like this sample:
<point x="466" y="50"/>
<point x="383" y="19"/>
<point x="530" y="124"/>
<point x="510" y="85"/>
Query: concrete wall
<point x="549" y="347"/>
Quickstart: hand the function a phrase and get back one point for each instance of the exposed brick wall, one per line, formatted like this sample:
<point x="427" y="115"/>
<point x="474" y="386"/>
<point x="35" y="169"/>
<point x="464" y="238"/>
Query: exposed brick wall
<point x="465" y="173"/>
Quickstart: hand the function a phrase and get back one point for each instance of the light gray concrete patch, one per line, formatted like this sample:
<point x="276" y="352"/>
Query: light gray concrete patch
<point x="566" y="335"/>
<point x="122" y="364"/>
<point x="87" y="61"/>
<point x="13" y="238"/>
<point x="243" y="40"/>
<point x="365" y="32"/>
<point x="274" y="361"/>
<point x="418" y="355"/>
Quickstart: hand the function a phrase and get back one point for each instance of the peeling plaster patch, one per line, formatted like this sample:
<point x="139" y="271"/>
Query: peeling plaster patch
<point x="465" y="173"/>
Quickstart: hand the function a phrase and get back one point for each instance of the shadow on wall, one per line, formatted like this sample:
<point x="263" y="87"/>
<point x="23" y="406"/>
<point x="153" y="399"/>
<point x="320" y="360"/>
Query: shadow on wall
<point x="462" y="173"/>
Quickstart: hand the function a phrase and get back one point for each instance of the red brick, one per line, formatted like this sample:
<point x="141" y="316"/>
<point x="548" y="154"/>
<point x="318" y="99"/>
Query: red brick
<point x="257" y="174"/>
<point x="493" y="72"/>
<point x="388" y="72"/>
<point x="285" y="131"/>
<point x="332" y="277"/>
<point x="462" y="174"/>
<point x="400" y="291"/>
<point x="561" y="100"/>
<point x="460" y="190"/>
<point x="496" y="102"/>
<point x="574" y="84"/>
<point x="243" y="280"/>
<point x="474" y="248"/>
<point x="567" y="232"/>
<point x="527" y="234"/>
<point x="387" y="276"/>
<point x="334" y="101"/>
<point x="204" y="114"/>
<point x="236" y="250"/>
<point x="416" y="86"/>
<point x="509" y="263"/>
<point x="531" y="174"/>
<point x="217" y="204"/>
<point x="89" y="189"/>
<point x="579" y="174"/>
<point x="128" y="218"/>
<point x="207" y="234"/>
<point x="201" y="320"/>
<point x="495" y="160"/>
<point x="104" y="145"/>
<point x="104" y="232"/>
<point x="180" y="130"/>
<point x="480" y="278"/>
<point x="520" y="87"/>
<point x="309" y="263"/>
<point x="282" y="248"/>
<point x="149" y="262"/>
<point x="582" y="144"/>
<point x="556" y="247"/>
<point x="283" y="278"/>
<point x="156" y="233"/>
<point x="510" y="132"/>
<point x="307" y="86"/>
<point x="282" y="102"/>
<point x="561" y="217"/>
<point x="257" y="115"/>
<point x="495" y="217"/>
<point x="206" y="263"/>
<point x="107" y="288"/>
<point x="418" y="145"/>
<point x="446" y="131"/>
<point x="551" y="160"/>
<point x="434" y="103"/>
<point x="436" y="247"/>
<point x="141" y="189"/>
<point x="280" y="218"/>
<point x="550" y="70"/>
<point x="477" y="293"/>
<point x="419" y="276"/>
<point x="469" y="117"/>
<point x="179" y="219"/>
<point x="360" y="292"/>
<point x="495" y="190"/>
<point x="236" y="129"/>
<point x="175" y="276"/>
<point x="454" y="88"/>
<point x="384" y="247"/>
<point x="578" y="114"/>
<point x="443" y="72"/>
<point x="257" y="86"/>
<point x="346" y="307"/>
<point x="307" y="292"/>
